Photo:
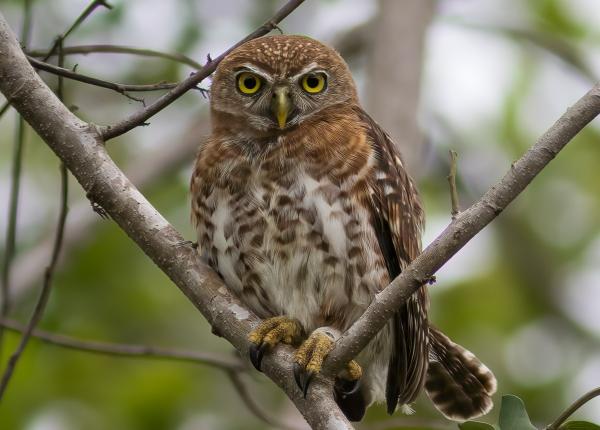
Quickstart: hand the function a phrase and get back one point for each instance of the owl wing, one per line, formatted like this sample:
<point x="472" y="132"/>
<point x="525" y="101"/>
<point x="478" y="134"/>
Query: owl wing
<point x="397" y="217"/>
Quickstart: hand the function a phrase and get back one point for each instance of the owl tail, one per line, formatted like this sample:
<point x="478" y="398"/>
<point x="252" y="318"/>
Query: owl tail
<point x="458" y="384"/>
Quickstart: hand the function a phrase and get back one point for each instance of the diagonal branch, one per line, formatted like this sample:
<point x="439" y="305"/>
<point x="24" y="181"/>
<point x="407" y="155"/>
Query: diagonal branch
<point x="80" y="146"/>
<point x="140" y="117"/>
<point x="143" y="171"/>
<point x="465" y="226"/>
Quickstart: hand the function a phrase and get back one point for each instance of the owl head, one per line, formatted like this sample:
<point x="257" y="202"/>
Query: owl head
<point x="274" y="83"/>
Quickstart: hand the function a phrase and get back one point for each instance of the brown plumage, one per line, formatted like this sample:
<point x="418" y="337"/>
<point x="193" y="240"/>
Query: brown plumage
<point x="303" y="206"/>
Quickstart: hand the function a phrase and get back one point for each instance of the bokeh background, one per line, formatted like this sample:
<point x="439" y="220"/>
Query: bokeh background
<point x="487" y="77"/>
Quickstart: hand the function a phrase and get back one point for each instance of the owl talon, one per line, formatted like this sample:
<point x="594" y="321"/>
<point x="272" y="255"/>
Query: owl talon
<point x="256" y="353"/>
<point x="309" y="358"/>
<point x="303" y="378"/>
<point x="268" y="334"/>
<point x="298" y="375"/>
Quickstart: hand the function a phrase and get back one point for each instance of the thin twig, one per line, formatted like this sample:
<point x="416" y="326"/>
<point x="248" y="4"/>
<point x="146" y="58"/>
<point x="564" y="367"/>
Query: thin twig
<point x="129" y="350"/>
<point x="46" y="288"/>
<point x="252" y="405"/>
<point x="40" y="306"/>
<point x="452" y="182"/>
<point x="120" y="88"/>
<point x="78" y="21"/>
<point x="11" y="226"/>
<point x="119" y="49"/>
<point x="13" y="205"/>
<point x="143" y="115"/>
<point x="82" y="17"/>
<point x="571" y="409"/>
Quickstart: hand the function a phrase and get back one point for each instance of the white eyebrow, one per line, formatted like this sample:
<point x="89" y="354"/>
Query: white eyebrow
<point x="256" y="70"/>
<point x="312" y="67"/>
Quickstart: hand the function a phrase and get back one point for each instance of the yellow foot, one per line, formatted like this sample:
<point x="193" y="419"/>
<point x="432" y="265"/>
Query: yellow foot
<point x="309" y="358"/>
<point x="269" y="333"/>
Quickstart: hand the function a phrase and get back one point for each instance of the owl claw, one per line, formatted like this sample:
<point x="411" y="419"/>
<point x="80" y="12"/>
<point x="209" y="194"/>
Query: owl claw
<point x="309" y="359"/>
<point x="303" y="378"/>
<point x="268" y="334"/>
<point x="297" y="375"/>
<point x="256" y="353"/>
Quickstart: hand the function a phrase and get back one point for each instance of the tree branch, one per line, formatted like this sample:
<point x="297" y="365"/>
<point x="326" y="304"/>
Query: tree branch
<point x="251" y="404"/>
<point x="40" y="306"/>
<point x="571" y="409"/>
<point x="455" y="205"/>
<point x="80" y="146"/>
<point x="143" y="171"/>
<point x="82" y="17"/>
<point x="140" y="117"/>
<point x="82" y="149"/>
<point x="221" y="361"/>
<point x="15" y="187"/>
<point x="119" y="49"/>
<point x="78" y="21"/>
<point x="232" y="366"/>
<point x="120" y="88"/>
<point x="466" y="225"/>
<point x="42" y="302"/>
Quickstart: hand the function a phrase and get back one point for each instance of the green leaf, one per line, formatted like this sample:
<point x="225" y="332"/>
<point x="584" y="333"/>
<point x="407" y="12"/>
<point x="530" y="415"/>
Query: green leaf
<point x="579" y="425"/>
<point x="513" y="415"/>
<point x="475" y="425"/>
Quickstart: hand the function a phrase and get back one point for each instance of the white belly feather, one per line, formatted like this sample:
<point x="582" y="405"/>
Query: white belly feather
<point x="311" y="275"/>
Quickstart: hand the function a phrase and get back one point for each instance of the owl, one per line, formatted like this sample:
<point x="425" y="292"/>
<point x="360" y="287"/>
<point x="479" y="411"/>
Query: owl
<point x="303" y="206"/>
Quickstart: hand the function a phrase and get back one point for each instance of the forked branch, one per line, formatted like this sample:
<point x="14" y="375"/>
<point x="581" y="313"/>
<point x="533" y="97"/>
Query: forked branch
<point x="81" y="147"/>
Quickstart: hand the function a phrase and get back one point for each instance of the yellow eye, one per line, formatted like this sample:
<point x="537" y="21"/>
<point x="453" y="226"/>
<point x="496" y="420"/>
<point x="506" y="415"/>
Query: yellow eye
<point x="248" y="83"/>
<point x="313" y="83"/>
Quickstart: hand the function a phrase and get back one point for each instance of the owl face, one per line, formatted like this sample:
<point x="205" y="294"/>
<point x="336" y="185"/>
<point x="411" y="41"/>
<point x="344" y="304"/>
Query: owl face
<point x="275" y="83"/>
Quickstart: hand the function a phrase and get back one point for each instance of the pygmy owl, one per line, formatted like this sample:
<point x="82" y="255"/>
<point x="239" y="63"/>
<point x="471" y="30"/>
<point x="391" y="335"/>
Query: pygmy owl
<point x="303" y="206"/>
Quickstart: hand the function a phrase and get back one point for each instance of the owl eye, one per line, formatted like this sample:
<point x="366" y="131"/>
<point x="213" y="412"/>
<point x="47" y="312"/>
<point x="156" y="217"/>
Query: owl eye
<point x="248" y="83"/>
<point x="314" y="83"/>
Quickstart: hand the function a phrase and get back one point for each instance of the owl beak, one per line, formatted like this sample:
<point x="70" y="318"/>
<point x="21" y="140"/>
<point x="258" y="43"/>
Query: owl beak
<point x="281" y="105"/>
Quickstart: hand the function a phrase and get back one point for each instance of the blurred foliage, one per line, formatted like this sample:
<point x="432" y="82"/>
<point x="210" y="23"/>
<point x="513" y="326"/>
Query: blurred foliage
<point x="510" y="297"/>
<point x="513" y="416"/>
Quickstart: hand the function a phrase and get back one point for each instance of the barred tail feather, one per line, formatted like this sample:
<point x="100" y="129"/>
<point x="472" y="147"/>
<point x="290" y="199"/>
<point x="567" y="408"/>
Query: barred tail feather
<point x="458" y="384"/>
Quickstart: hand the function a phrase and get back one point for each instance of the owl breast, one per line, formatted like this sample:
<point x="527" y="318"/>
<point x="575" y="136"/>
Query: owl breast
<point x="290" y="241"/>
